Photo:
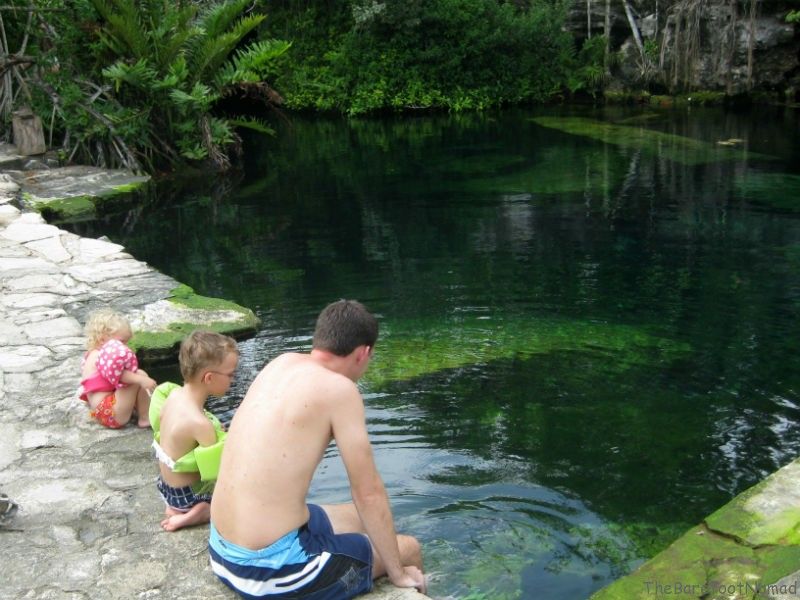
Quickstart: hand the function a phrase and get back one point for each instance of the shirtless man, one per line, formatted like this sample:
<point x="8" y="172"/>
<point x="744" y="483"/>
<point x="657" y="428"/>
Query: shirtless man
<point x="265" y="541"/>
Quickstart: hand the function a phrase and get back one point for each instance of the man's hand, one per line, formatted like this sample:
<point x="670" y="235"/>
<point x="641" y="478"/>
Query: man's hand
<point x="411" y="577"/>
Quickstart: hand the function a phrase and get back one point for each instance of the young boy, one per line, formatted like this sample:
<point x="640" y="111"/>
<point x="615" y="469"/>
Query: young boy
<point x="187" y="439"/>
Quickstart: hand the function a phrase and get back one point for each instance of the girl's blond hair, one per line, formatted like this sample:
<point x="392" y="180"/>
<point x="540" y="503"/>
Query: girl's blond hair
<point x="102" y="325"/>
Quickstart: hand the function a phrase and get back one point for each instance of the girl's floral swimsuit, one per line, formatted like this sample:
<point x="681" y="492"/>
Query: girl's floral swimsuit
<point x="113" y="358"/>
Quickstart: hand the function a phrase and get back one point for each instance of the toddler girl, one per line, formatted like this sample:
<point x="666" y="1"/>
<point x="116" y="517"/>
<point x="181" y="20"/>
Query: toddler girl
<point x="111" y="381"/>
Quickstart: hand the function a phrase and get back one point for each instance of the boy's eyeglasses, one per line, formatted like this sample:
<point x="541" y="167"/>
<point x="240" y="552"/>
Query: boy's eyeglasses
<point x="228" y="375"/>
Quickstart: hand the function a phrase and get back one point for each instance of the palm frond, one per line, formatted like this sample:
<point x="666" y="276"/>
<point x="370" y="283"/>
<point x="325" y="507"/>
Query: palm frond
<point x="173" y="33"/>
<point x="199" y="99"/>
<point x="253" y="124"/>
<point x="251" y="64"/>
<point x="139" y="74"/>
<point x="177" y="74"/>
<point x="218" y="18"/>
<point x="193" y="150"/>
<point x="124" y="32"/>
<point x="221" y="130"/>
<point x="210" y="53"/>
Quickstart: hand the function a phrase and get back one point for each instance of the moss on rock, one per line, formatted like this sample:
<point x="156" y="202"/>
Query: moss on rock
<point x="162" y="326"/>
<point x="766" y="514"/>
<point x="749" y="544"/>
<point x="67" y="210"/>
<point x="81" y="206"/>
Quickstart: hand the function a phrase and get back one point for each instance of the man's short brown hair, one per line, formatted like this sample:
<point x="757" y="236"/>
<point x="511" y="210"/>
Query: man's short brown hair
<point x="343" y="326"/>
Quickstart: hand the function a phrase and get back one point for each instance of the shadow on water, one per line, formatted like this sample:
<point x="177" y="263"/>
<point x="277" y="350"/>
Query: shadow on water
<point x="589" y="337"/>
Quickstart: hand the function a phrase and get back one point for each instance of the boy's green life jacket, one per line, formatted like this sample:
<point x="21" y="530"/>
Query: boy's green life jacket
<point x="203" y="459"/>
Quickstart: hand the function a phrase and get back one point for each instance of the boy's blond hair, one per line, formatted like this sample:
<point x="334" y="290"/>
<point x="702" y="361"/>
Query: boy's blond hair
<point x="203" y="349"/>
<point x="102" y="325"/>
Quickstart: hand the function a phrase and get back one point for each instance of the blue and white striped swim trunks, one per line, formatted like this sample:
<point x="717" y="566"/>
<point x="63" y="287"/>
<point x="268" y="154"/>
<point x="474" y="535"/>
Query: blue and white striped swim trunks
<point x="311" y="562"/>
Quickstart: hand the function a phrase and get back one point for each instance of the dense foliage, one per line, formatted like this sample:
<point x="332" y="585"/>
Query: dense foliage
<point x="365" y="55"/>
<point x="151" y="84"/>
<point x="138" y="82"/>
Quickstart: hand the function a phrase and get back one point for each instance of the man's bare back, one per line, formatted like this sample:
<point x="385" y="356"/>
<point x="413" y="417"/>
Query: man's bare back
<point x="275" y="442"/>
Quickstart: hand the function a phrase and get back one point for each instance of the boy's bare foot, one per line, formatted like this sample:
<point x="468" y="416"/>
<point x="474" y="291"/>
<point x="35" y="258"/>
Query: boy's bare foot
<point x="143" y="423"/>
<point x="199" y="513"/>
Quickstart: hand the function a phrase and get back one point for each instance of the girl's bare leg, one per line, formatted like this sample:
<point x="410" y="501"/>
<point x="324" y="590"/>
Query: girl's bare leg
<point x="143" y="407"/>
<point x="126" y="400"/>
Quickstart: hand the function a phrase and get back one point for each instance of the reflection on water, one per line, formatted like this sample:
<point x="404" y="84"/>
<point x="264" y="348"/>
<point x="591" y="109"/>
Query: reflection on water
<point x="589" y="338"/>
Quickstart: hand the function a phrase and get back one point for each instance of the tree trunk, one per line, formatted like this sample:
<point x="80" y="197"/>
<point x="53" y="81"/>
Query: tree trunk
<point x="635" y="30"/>
<point x="28" y="132"/>
<point x="751" y="42"/>
<point x="607" y="33"/>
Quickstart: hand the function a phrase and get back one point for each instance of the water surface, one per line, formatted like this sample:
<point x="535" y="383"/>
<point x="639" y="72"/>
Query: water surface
<point x="589" y="318"/>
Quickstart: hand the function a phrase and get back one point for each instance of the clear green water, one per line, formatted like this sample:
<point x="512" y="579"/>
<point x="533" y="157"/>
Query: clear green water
<point x="589" y="319"/>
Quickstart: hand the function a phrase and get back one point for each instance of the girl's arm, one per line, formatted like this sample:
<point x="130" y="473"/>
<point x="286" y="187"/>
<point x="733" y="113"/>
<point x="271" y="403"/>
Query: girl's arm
<point x="140" y="378"/>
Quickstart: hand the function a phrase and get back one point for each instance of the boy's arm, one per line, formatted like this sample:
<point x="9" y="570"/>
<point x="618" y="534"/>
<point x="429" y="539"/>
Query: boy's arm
<point x="203" y="431"/>
<point x="368" y="491"/>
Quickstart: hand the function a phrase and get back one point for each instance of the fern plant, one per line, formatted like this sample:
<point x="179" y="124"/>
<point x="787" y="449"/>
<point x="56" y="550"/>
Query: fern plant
<point x="174" y="61"/>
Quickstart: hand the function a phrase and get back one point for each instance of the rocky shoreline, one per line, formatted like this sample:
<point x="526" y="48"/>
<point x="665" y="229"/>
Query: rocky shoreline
<point x="88" y="522"/>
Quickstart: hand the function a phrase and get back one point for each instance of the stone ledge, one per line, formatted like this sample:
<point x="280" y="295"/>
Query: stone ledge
<point x="749" y="548"/>
<point x="73" y="193"/>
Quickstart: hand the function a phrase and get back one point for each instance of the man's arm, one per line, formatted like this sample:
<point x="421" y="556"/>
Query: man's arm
<point x="369" y="494"/>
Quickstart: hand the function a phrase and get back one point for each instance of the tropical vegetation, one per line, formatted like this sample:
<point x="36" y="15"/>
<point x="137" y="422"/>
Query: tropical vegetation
<point x="137" y="83"/>
<point x="154" y="84"/>
<point x="358" y="56"/>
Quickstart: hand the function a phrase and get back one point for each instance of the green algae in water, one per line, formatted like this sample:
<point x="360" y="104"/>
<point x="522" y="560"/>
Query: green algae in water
<point x="554" y="170"/>
<point x="508" y="556"/>
<point x="656" y="143"/>
<point x="423" y="348"/>
<point x="774" y="190"/>
<point x="489" y="163"/>
<point x="560" y="170"/>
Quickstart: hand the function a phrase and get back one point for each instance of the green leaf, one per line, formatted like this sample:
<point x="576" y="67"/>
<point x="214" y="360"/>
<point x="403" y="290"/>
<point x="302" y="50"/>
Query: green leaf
<point x="253" y="124"/>
<point x="138" y="75"/>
